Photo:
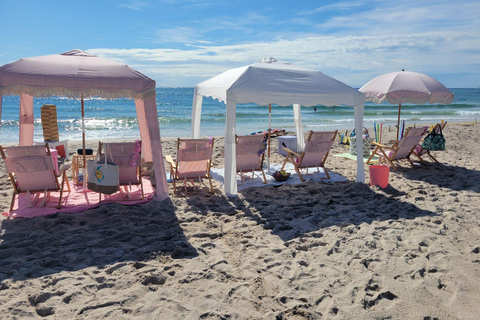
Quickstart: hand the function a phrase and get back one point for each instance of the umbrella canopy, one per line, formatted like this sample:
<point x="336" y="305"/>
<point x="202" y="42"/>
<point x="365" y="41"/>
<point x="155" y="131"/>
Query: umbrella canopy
<point x="406" y="87"/>
<point x="77" y="74"/>
<point x="269" y="81"/>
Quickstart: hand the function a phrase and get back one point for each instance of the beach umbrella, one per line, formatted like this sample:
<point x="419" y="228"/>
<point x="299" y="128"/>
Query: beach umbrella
<point x="406" y="87"/>
<point x="273" y="82"/>
<point x="78" y="74"/>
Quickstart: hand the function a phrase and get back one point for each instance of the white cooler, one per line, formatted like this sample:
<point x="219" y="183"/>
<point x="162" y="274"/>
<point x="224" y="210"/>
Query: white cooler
<point x="290" y="143"/>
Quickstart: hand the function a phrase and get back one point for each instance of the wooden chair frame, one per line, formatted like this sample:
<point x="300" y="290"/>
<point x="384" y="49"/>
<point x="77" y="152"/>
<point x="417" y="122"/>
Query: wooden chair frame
<point x="298" y="165"/>
<point x="174" y="169"/>
<point x="382" y="150"/>
<point x="138" y="174"/>
<point x="59" y="185"/>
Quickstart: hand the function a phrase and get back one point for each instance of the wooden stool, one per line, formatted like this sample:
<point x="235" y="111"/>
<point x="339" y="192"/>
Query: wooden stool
<point x="77" y="164"/>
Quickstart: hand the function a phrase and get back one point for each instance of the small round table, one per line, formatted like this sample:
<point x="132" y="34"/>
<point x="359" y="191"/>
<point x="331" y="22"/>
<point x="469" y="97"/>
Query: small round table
<point x="77" y="164"/>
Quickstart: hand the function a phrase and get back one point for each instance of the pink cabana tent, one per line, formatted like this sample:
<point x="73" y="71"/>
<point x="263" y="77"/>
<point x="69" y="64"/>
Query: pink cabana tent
<point x="77" y="74"/>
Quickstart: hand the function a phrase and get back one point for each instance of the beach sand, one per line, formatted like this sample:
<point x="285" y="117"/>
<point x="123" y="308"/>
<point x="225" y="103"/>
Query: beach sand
<point x="315" y="250"/>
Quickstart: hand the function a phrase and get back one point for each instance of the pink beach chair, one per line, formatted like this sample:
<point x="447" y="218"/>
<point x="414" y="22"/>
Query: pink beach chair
<point x="250" y="155"/>
<point x="194" y="159"/>
<point x="31" y="170"/>
<point x="401" y="149"/>
<point x="315" y="153"/>
<point x="127" y="155"/>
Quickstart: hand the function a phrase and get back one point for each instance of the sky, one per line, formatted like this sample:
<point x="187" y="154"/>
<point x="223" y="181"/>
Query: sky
<point x="180" y="43"/>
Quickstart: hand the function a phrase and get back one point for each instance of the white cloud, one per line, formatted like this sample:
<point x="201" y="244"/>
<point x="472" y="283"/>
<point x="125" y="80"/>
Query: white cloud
<point x="136" y="5"/>
<point x="358" y="42"/>
<point x="351" y="59"/>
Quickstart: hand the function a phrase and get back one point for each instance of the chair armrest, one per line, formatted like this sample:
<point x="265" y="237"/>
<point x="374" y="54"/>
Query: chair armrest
<point x="291" y="152"/>
<point x="383" y="146"/>
<point x="169" y="160"/>
<point x="62" y="169"/>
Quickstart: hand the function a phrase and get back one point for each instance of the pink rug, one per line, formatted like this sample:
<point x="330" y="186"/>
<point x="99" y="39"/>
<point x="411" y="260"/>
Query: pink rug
<point x="77" y="200"/>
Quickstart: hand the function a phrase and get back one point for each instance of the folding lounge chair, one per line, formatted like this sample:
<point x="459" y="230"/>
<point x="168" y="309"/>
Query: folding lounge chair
<point x="250" y="155"/>
<point x="127" y="155"/>
<point x="315" y="154"/>
<point x="194" y="159"/>
<point x="401" y="149"/>
<point x="31" y="170"/>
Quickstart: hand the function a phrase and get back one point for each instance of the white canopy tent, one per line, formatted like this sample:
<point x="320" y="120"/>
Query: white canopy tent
<point x="269" y="81"/>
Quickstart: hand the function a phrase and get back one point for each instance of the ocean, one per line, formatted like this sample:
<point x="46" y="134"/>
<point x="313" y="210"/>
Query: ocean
<point x="116" y="119"/>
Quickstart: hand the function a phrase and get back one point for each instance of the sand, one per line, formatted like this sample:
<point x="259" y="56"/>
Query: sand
<point x="315" y="250"/>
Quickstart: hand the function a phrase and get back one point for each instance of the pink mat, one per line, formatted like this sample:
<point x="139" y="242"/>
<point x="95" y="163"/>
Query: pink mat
<point x="77" y="200"/>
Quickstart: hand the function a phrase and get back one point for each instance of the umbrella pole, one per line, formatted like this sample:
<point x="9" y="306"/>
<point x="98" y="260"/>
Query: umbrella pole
<point x="398" y="121"/>
<point x="269" y="132"/>
<point x="83" y="146"/>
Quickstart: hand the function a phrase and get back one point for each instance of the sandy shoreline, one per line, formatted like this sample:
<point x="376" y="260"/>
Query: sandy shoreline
<point x="315" y="250"/>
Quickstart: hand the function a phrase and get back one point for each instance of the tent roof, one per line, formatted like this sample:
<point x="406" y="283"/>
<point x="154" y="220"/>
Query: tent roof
<point x="270" y="81"/>
<point x="73" y="74"/>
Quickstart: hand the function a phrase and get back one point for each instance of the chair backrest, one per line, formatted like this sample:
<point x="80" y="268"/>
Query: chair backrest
<point x="127" y="155"/>
<point x="410" y="139"/>
<point x="250" y="152"/>
<point x="31" y="167"/>
<point x="316" y="148"/>
<point x="194" y="157"/>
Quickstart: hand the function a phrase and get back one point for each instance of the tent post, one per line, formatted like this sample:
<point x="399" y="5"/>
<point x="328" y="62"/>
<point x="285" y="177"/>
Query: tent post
<point x="358" y="114"/>
<point x="297" y="115"/>
<point x="196" y="114"/>
<point x="26" y="120"/>
<point x="230" y="150"/>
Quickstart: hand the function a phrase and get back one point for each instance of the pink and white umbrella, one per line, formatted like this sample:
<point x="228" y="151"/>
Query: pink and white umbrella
<point x="406" y="87"/>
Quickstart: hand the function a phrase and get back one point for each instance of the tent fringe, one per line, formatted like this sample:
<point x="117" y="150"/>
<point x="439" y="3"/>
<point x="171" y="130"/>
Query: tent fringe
<point x="86" y="93"/>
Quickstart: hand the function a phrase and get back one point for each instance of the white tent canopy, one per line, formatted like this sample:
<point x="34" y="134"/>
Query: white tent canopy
<point x="269" y="81"/>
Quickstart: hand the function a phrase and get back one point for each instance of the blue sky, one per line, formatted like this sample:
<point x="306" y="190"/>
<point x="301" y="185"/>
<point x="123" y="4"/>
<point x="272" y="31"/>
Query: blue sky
<point x="183" y="42"/>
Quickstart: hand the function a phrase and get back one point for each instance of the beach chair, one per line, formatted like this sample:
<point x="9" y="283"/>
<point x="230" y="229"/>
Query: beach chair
<point x="250" y="155"/>
<point x="127" y="155"/>
<point x="315" y="153"/>
<point x="424" y="152"/>
<point x="31" y="169"/>
<point x="401" y="149"/>
<point x="194" y="159"/>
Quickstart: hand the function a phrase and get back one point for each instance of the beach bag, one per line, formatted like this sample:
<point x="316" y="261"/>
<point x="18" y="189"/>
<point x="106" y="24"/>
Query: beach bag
<point x="366" y="143"/>
<point x="434" y="141"/>
<point x="103" y="176"/>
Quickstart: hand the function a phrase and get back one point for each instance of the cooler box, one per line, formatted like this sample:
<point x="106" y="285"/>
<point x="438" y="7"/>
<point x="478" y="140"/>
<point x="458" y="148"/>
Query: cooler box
<point x="289" y="141"/>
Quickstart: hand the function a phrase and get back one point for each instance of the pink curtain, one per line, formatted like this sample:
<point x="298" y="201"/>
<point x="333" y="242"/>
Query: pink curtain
<point x="144" y="134"/>
<point x="26" y="120"/>
<point x="149" y="106"/>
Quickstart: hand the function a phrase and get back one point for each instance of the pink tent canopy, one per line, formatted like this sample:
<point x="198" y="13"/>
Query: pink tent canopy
<point x="77" y="74"/>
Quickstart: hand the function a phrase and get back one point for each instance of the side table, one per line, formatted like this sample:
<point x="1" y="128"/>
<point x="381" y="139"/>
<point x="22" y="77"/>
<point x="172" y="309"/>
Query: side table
<point x="77" y="164"/>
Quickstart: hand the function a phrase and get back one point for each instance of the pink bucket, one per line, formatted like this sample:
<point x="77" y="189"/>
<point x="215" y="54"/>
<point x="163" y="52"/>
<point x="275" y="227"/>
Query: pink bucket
<point x="379" y="175"/>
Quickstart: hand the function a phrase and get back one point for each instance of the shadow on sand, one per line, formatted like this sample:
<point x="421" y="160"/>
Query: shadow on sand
<point x="99" y="237"/>
<point x="293" y="211"/>
<point x="445" y="176"/>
